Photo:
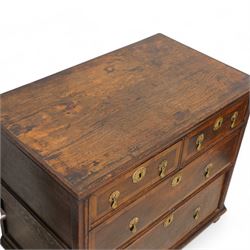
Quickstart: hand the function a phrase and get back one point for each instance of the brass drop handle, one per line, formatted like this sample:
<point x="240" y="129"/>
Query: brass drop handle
<point x="234" y="119"/>
<point x="139" y="174"/>
<point x="199" y="141"/>
<point x="3" y="215"/>
<point x="168" y="221"/>
<point x="196" y="214"/>
<point x="218" y="123"/>
<point x="133" y="224"/>
<point x="163" y="168"/>
<point x="113" y="199"/>
<point x="208" y="169"/>
<point x="176" y="180"/>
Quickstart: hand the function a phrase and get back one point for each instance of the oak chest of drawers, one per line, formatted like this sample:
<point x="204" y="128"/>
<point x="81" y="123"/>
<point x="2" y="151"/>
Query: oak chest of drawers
<point x="134" y="149"/>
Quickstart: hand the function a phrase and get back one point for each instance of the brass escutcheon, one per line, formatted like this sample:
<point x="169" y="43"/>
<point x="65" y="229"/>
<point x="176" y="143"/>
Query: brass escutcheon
<point x="133" y="224"/>
<point x="234" y="119"/>
<point x="113" y="199"/>
<point x="168" y="220"/>
<point x="163" y="168"/>
<point x="196" y="214"/>
<point x="176" y="180"/>
<point x="218" y="123"/>
<point x="208" y="169"/>
<point x="199" y="141"/>
<point x="139" y="174"/>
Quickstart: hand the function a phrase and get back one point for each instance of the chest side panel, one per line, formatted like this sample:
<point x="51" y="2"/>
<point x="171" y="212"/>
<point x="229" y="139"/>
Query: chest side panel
<point x="36" y="189"/>
<point x="23" y="228"/>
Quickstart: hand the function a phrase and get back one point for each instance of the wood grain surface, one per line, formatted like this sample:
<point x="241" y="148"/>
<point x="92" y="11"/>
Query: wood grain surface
<point x="89" y="122"/>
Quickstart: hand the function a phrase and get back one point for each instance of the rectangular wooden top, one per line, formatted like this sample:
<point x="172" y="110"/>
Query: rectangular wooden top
<point x="92" y="121"/>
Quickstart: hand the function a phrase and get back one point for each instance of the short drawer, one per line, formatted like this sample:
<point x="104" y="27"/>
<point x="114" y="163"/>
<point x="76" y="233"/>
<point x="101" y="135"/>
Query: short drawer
<point x="214" y="129"/>
<point x="23" y="228"/>
<point x="141" y="213"/>
<point x="111" y="197"/>
<point x="180" y="222"/>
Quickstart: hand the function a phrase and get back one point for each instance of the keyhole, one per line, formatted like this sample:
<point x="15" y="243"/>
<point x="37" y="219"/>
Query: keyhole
<point x="207" y="173"/>
<point x="140" y="175"/>
<point x="176" y="180"/>
<point x="169" y="220"/>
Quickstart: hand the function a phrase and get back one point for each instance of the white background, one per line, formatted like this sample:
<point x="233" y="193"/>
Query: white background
<point x="38" y="38"/>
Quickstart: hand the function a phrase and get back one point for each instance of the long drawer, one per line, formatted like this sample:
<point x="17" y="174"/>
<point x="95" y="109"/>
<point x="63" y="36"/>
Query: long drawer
<point x="181" y="221"/>
<point x="139" y="214"/>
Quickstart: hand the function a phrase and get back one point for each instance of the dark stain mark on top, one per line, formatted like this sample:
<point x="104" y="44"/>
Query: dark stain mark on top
<point x="73" y="177"/>
<point x="29" y="128"/>
<point x="95" y="163"/>
<point x="133" y="150"/>
<point x="181" y="115"/>
<point x="16" y="129"/>
<point x="53" y="156"/>
<point x="66" y="106"/>
<point x="156" y="62"/>
<point x="70" y="105"/>
<point x="76" y="176"/>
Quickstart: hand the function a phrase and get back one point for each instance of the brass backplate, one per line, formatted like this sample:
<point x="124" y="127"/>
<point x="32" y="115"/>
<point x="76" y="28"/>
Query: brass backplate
<point x="113" y="199"/>
<point x="133" y="224"/>
<point x="163" y="168"/>
<point x="208" y="169"/>
<point x="196" y="214"/>
<point x="199" y="141"/>
<point x="234" y="119"/>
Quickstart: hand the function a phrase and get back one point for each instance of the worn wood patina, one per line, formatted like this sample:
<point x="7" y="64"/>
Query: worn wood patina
<point x="118" y="142"/>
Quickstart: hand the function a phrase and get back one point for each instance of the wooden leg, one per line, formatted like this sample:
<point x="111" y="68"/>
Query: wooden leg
<point x="216" y="219"/>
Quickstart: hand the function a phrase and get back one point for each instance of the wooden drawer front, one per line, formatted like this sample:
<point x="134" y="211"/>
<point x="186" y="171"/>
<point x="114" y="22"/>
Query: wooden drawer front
<point x="163" y="197"/>
<point x="214" y="129"/>
<point x="23" y="227"/>
<point x="125" y="187"/>
<point x="178" y="223"/>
